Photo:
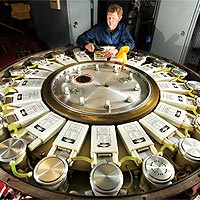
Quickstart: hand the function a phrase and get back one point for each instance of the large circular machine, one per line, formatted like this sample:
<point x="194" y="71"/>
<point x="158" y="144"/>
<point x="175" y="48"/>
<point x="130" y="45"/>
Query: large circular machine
<point x="77" y="125"/>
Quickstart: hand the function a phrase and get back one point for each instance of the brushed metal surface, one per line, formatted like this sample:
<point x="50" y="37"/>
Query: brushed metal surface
<point x="110" y="82"/>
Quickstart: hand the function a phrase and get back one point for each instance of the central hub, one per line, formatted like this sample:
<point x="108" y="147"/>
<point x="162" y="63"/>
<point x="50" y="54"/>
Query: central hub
<point x="78" y="94"/>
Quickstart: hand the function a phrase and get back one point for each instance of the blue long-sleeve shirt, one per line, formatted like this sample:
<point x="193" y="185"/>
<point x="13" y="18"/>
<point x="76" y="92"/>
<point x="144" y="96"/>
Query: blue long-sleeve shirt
<point x="102" y="36"/>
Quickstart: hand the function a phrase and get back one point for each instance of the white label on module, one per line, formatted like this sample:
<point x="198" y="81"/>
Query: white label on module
<point x="31" y="112"/>
<point x="173" y="97"/>
<point x="103" y="139"/>
<point x="171" y="86"/>
<point x="161" y="76"/>
<point x="157" y="127"/>
<point x="50" y="65"/>
<point x="65" y="60"/>
<point x="47" y="126"/>
<point x="37" y="73"/>
<point x="136" y="63"/>
<point x="29" y="84"/>
<point x="26" y="97"/>
<point x="148" y="68"/>
<point x="134" y="136"/>
<point x="72" y="135"/>
<point x="81" y="56"/>
<point x="170" y="112"/>
<point x="179" y="100"/>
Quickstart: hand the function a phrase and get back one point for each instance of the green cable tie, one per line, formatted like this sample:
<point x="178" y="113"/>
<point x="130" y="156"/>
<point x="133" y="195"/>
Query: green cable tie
<point x="165" y="146"/>
<point x="13" y="127"/>
<point x="18" y="174"/>
<point x="83" y="158"/>
<point x="7" y="90"/>
<point x="180" y="79"/>
<point x="191" y="94"/>
<point x="186" y="132"/>
<point x="194" y="110"/>
<point x="4" y="108"/>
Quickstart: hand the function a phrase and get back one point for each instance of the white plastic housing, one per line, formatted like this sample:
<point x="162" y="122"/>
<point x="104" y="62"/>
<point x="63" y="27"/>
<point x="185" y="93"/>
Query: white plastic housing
<point x="178" y="100"/>
<point x="81" y="56"/>
<point x="71" y="137"/>
<point x="135" y="139"/>
<point x="176" y="116"/>
<point x="157" y="127"/>
<point x="173" y="87"/>
<point x="25" y="97"/>
<point x="45" y="128"/>
<point x="28" y="84"/>
<point x="37" y="73"/>
<point x="104" y="141"/>
<point x="65" y="60"/>
<point x="163" y="76"/>
<point x="50" y="65"/>
<point x="27" y="114"/>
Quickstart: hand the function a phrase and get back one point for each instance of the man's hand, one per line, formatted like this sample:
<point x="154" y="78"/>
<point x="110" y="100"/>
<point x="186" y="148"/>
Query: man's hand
<point x="90" y="47"/>
<point x="110" y="52"/>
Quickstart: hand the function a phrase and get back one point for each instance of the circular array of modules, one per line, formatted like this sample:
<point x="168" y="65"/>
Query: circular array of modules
<point x="77" y="124"/>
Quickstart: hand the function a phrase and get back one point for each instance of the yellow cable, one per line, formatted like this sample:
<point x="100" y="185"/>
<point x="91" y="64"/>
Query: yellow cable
<point x="13" y="127"/>
<point x="18" y="77"/>
<point x="194" y="110"/>
<point x="165" y="146"/>
<point x="163" y="70"/>
<point x="83" y="158"/>
<point x="16" y="173"/>
<point x="4" y="108"/>
<point x="191" y="94"/>
<point x="152" y="57"/>
<point x="126" y="158"/>
<point x="33" y="66"/>
<point x="186" y="133"/>
<point x="181" y="80"/>
<point x="7" y="90"/>
<point x="51" y="58"/>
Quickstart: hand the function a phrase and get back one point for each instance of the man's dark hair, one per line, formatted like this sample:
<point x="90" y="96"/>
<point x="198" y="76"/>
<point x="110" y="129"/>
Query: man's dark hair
<point x="115" y="8"/>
